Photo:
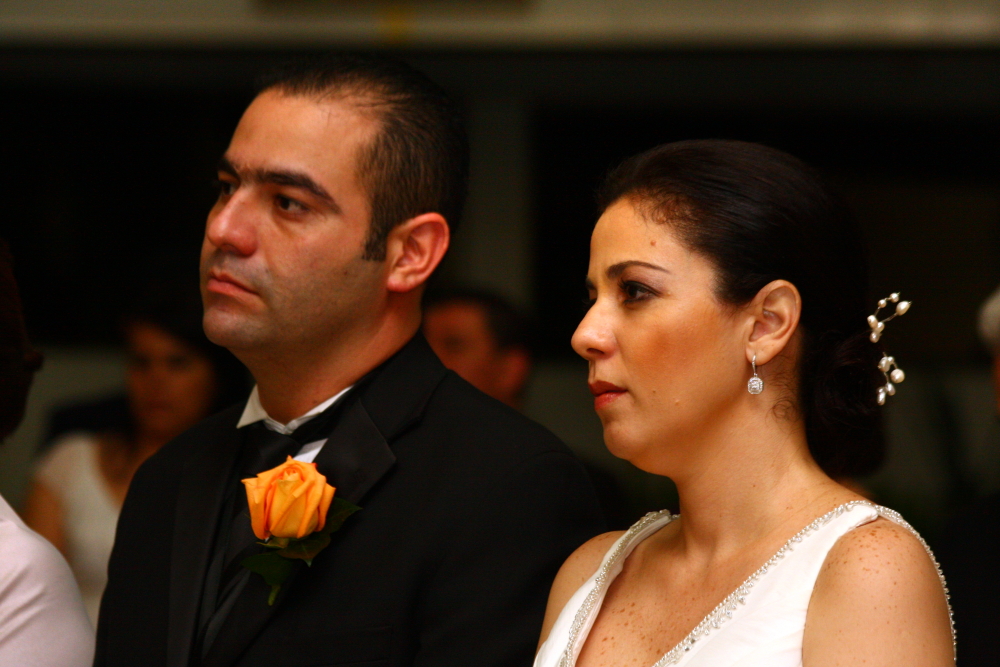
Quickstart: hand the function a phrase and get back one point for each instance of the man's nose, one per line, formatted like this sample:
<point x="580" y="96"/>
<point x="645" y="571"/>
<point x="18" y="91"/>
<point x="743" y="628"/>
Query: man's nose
<point x="232" y="225"/>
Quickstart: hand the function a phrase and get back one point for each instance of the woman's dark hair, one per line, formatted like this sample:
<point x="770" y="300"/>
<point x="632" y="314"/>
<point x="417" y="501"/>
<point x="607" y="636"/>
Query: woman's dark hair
<point x="759" y="214"/>
<point x="174" y="306"/>
<point x="18" y="361"/>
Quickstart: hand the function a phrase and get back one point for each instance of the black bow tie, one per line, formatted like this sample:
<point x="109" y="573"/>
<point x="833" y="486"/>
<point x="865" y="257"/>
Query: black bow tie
<point x="272" y="447"/>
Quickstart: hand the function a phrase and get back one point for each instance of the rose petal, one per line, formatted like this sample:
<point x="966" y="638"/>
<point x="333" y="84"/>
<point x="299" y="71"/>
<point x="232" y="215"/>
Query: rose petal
<point x="324" y="505"/>
<point x="312" y="501"/>
<point x="258" y="518"/>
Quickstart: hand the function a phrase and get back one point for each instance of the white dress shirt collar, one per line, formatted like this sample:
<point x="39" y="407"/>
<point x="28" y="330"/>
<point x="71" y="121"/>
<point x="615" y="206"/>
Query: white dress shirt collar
<point x="254" y="412"/>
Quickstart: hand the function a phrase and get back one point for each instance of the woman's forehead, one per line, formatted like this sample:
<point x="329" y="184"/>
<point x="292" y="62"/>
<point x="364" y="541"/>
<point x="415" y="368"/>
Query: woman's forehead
<point x="624" y="234"/>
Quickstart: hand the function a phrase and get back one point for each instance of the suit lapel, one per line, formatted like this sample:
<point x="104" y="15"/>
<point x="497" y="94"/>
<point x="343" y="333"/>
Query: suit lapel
<point x="355" y="457"/>
<point x="200" y="498"/>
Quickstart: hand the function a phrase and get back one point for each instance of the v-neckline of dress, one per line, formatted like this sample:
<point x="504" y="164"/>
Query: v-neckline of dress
<point x="653" y="522"/>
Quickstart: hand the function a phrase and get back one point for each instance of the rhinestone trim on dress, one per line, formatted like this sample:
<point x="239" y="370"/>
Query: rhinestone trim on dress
<point x="724" y="611"/>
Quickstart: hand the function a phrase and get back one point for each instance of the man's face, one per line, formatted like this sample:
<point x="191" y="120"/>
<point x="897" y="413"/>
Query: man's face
<point x="460" y="335"/>
<point x="461" y="338"/>
<point x="281" y="262"/>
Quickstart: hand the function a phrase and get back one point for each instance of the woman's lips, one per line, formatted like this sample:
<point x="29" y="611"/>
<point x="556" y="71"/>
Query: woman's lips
<point x="605" y="394"/>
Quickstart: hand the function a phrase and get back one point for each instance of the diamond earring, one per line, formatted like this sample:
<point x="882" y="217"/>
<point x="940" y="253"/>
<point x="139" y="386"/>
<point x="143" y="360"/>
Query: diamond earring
<point x="755" y="385"/>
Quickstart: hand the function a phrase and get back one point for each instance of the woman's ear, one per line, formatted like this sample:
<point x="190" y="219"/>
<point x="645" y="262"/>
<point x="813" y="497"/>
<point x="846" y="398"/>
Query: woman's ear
<point x="414" y="249"/>
<point x="775" y="313"/>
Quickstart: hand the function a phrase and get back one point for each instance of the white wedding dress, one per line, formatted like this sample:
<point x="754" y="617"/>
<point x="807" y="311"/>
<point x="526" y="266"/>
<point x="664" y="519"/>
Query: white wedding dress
<point x="759" y="625"/>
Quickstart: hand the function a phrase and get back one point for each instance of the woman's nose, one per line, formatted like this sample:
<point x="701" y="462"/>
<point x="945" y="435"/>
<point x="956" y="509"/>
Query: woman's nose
<point x="592" y="338"/>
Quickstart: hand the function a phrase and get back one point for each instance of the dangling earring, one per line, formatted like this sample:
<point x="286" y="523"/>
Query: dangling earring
<point x="755" y="385"/>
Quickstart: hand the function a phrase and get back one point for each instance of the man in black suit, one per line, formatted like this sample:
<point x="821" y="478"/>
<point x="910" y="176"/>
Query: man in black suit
<point x="338" y="194"/>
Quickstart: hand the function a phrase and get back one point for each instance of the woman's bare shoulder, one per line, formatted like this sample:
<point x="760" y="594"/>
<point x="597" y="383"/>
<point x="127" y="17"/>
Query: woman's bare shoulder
<point x="579" y="567"/>
<point x="882" y="554"/>
<point x="878" y="598"/>
<point x="583" y="562"/>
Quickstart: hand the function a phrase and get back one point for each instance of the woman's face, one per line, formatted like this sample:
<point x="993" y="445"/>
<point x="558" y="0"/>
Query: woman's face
<point x="667" y="358"/>
<point x="171" y="385"/>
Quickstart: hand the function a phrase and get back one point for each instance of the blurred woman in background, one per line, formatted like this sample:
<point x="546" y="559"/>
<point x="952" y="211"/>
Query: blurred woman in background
<point x="42" y="621"/>
<point x="175" y="378"/>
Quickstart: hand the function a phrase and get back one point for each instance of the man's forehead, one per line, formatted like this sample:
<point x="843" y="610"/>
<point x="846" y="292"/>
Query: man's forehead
<point x="296" y="122"/>
<point x="335" y="106"/>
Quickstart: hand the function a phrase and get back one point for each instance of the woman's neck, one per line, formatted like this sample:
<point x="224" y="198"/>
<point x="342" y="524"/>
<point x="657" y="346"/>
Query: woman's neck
<point x="751" y="480"/>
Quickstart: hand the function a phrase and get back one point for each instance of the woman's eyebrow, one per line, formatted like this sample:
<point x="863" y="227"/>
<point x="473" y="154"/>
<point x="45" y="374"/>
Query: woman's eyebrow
<point x="616" y="270"/>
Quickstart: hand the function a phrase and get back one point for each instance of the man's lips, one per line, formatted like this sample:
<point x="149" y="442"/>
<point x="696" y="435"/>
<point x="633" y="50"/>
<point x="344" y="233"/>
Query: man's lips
<point x="605" y="393"/>
<point x="223" y="283"/>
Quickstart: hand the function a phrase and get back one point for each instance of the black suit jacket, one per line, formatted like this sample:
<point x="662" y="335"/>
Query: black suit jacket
<point x="468" y="510"/>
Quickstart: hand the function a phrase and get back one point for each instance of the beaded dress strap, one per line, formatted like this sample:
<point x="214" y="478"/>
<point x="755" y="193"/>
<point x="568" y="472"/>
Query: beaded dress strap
<point x="724" y="611"/>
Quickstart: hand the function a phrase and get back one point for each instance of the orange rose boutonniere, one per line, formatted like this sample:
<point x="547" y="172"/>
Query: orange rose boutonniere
<point x="292" y="511"/>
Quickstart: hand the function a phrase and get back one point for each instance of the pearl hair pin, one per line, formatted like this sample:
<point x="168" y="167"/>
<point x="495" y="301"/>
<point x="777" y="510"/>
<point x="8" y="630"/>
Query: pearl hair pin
<point x="893" y="373"/>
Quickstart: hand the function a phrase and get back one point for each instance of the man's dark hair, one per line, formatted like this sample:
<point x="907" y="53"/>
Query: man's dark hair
<point x="506" y="324"/>
<point x="419" y="161"/>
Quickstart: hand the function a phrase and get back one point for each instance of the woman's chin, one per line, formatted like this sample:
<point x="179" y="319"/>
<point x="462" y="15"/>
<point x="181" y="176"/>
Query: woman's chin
<point x="620" y="442"/>
<point x="632" y="447"/>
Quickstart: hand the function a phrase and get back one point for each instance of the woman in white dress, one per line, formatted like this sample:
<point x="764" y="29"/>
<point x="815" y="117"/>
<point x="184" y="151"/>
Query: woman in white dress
<point x="42" y="620"/>
<point x="717" y="266"/>
<point x="175" y="378"/>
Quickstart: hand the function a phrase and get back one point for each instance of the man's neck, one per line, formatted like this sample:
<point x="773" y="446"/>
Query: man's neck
<point x="291" y="384"/>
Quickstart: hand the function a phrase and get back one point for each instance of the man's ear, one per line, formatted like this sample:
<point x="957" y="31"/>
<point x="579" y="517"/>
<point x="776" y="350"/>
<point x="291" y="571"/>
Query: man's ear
<point x="414" y="249"/>
<point x="774" y="314"/>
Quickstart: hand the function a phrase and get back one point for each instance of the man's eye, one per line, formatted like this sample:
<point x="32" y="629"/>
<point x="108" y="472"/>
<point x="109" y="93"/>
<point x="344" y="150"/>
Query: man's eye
<point x="226" y="189"/>
<point x="288" y="204"/>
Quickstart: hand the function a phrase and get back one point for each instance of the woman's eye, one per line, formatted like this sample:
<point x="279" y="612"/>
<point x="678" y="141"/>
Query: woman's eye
<point x="634" y="291"/>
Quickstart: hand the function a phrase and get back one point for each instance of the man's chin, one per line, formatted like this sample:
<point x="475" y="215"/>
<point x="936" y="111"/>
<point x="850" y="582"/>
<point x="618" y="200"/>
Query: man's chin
<point x="231" y="331"/>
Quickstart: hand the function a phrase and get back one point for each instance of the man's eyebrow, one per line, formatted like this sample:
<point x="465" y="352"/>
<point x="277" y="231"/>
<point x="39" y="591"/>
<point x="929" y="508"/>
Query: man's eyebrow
<point x="226" y="166"/>
<point x="289" y="178"/>
<point x="616" y="270"/>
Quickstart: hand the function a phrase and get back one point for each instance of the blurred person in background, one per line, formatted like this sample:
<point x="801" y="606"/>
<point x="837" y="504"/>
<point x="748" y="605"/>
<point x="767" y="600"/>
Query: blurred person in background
<point x="175" y="378"/>
<point x="968" y="549"/>
<point x="486" y="341"/>
<point x="483" y="338"/>
<point x="989" y="331"/>
<point x="42" y="620"/>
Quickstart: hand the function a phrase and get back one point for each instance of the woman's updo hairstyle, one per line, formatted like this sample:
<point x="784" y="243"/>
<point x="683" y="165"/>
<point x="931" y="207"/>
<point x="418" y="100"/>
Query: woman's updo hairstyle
<point x="759" y="214"/>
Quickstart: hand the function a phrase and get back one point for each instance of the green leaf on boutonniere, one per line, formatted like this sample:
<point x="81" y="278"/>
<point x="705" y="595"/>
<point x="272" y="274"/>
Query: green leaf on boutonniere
<point x="275" y="570"/>
<point x="278" y="564"/>
<point x="309" y="546"/>
<point x="339" y="510"/>
<point x="306" y="548"/>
